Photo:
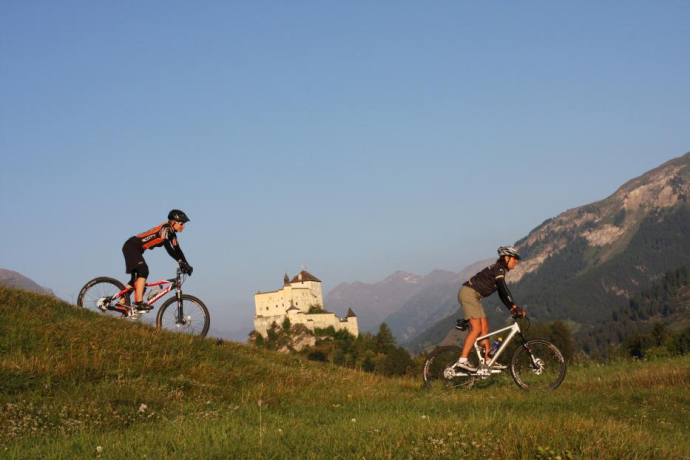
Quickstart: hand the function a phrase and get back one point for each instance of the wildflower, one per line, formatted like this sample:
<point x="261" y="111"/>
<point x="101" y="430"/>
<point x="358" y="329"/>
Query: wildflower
<point x="143" y="408"/>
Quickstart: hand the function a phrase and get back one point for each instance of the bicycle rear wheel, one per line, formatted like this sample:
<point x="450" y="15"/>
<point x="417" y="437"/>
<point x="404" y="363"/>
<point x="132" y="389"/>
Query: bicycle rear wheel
<point x="538" y="365"/>
<point x="98" y="293"/>
<point x="193" y="318"/>
<point x="439" y="370"/>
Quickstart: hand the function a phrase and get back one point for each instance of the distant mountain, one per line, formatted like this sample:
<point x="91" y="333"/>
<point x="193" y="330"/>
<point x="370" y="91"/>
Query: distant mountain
<point x="14" y="279"/>
<point x="586" y="261"/>
<point x="432" y="303"/>
<point x="384" y="300"/>
<point x="373" y="302"/>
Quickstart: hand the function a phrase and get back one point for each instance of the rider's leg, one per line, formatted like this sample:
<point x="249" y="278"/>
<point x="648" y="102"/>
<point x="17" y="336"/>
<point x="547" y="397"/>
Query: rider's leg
<point x="139" y="286"/>
<point x="470" y="300"/>
<point x="136" y="265"/>
<point x="485" y="343"/>
<point x="140" y="274"/>
<point x="472" y="334"/>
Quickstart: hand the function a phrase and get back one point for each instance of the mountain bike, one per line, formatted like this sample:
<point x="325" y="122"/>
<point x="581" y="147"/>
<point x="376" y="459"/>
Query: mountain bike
<point x="182" y="313"/>
<point x="536" y="364"/>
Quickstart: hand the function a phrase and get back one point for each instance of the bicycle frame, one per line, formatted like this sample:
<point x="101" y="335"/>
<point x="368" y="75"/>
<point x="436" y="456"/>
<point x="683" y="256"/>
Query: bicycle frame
<point x="172" y="282"/>
<point x="514" y="330"/>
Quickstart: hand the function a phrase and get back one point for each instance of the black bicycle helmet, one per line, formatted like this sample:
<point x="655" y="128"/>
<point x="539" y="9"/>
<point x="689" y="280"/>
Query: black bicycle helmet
<point x="509" y="251"/>
<point x="178" y="216"/>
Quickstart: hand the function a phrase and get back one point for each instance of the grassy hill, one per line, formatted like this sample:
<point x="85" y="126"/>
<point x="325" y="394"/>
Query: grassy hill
<point x="74" y="384"/>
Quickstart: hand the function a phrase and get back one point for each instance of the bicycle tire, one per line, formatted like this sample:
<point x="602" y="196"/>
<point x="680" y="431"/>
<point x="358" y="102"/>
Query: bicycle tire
<point x="436" y="365"/>
<point x="538" y="365"/>
<point x="98" y="288"/>
<point x="195" y="323"/>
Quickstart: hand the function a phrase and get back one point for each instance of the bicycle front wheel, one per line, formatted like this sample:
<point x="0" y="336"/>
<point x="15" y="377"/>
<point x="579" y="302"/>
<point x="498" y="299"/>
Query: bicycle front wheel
<point x="97" y="295"/>
<point x="190" y="316"/>
<point x="440" y="371"/>
<point x="538" y="365"/>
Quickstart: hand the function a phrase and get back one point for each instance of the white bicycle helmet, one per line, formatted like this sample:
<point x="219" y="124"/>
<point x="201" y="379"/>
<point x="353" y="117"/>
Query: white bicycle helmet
<point x="509" y="251"/>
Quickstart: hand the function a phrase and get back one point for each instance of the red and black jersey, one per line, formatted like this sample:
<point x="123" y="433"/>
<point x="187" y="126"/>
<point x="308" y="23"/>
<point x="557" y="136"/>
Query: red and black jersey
<point x="163" y="235"/>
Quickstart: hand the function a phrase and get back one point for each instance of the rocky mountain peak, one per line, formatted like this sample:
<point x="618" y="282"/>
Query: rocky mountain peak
<point x="402" y="277"/>
<point x="608" y="223"/>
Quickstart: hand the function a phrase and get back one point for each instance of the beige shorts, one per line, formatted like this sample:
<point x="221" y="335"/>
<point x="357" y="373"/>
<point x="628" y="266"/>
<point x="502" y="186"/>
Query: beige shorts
<point x="471" y="303"/>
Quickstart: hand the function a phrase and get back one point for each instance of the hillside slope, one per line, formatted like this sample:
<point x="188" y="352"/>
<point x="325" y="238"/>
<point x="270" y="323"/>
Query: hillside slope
<point x="74" y="384"/>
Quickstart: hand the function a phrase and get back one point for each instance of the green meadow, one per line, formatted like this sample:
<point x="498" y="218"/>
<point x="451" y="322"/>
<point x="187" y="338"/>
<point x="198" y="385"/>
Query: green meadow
<point x="77" y="385"/>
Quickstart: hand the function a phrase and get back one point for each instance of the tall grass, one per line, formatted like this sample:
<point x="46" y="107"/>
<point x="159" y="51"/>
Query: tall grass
<point x="74" y="384"/>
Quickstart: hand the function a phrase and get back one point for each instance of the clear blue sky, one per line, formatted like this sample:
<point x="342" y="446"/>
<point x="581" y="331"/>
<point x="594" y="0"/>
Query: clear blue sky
<point x="356" y="138"/>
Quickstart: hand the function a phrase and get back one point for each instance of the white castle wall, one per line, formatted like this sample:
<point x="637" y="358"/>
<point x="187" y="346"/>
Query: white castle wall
<point x="311" y="321"/>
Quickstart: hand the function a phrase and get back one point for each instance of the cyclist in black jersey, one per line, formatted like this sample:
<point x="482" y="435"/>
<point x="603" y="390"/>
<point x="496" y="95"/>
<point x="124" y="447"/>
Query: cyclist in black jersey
<point x="481" y="285"/>
<point x="163" y="235"/>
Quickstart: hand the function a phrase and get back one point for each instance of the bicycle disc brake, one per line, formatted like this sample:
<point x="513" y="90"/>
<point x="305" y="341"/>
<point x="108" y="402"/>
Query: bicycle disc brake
<point x="538" y="366"/>
<point x="183" y="321"/>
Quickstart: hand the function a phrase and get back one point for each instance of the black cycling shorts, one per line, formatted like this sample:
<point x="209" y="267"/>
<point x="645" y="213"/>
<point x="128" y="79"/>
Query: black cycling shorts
<point x="134" y="259"/>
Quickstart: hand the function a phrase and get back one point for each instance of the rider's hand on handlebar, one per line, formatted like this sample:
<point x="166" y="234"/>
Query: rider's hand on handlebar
<point x="517" y="312"/>
<point x="186" y="268"/>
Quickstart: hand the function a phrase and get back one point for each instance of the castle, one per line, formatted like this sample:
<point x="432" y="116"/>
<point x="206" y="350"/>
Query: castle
<point x="293" y="301"/>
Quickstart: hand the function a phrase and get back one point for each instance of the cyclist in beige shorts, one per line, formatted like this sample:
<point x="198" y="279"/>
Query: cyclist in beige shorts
<point x="481" y="285"/>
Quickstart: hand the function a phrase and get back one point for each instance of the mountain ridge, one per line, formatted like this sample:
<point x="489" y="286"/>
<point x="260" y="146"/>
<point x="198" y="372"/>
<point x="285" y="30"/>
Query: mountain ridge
<point x="16" y="279"/>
